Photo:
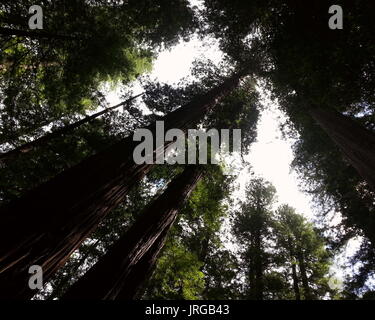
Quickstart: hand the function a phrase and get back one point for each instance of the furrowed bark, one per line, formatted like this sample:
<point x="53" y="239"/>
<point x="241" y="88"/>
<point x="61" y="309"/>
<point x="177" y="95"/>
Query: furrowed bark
<point x="356" y="142"/>
<point x="135" y="282"/>
<point x="121" y="272"/>
<point x="48" y="223"/>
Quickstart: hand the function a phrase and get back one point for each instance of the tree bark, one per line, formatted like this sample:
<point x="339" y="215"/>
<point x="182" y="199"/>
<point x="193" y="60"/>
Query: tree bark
<point x="121" y="272"/>
<point x="251" y="275"/>
<point x="296" y="289"/>
<point x="57" y="290"/>
<point x="356" y="142"/>
<point x="134" y="287"/>
<point x="35" y="34"/>
<point x="203" y="252"/>
<point x="305" y="281"/>
<point x="48" y="223"/>
<point x="258" y="267"/>
<point x="295" y="281"/>
<point x="255" y="256"/>
<point x="42" y="141"/>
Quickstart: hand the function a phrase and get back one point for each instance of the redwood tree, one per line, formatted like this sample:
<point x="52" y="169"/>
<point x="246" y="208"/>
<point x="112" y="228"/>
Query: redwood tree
<point x="48" y="223"/>
<point x="302" y="56"/>
<point x="355" y="141"/>
<point x="135" y="253"/>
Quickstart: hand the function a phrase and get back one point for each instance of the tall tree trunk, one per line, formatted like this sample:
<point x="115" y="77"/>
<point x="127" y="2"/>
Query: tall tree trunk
<point x="135" y="282"/>
<point x="251" y="275"/>
<point x="258" y="267"/>
<point x="203" y="252"/>
<point x="48" y="223"/>
<point x="294" y="270"/>
<point x="42" y="141"/>
<point x="295" y="282"/>
<point x="57" y="290"/>
<point x="356" y="142"/>
<point x="305" y="281"/>
<point x="108" y="279"/>
<point x="35" y="34"/>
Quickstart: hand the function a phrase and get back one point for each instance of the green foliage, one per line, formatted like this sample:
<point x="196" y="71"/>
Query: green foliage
<point x="51" y="80"/>
<point x="307" y="65"/>
<point x="177" y="275"/>
<point x="45" y="78"/>
<point x="300" y="242"/>
<point x="184" y="270"/>
<point x="273" y="243"/>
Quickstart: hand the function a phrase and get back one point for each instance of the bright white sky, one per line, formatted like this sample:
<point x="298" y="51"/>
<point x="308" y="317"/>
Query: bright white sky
<point x="270" y="156"/>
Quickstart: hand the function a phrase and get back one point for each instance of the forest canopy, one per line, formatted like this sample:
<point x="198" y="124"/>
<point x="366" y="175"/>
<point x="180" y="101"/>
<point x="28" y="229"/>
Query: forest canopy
<point x="74" y="203"/>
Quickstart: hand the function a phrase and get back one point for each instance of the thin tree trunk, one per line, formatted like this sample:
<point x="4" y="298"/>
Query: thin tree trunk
<point x="295" y="281"/>
<point x="42" y="141"/>
<point x="108" y="279"/>
<point x="203" y="253"/>
<point x="57" y="290"/>
<point x="356" y="142"/>
<point x="305" y="281"/>
<point x="296" y="289"/>
<point x="258" y="268"/>
<point x="48" y="223"/>
<point x="135" y="282"/>
<point x="8" y="64"/>
<point x="251" y="276"/>
<point x="256" y="257"/>
<point x="204" y="249"/>
<point x="35" y="34"/>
